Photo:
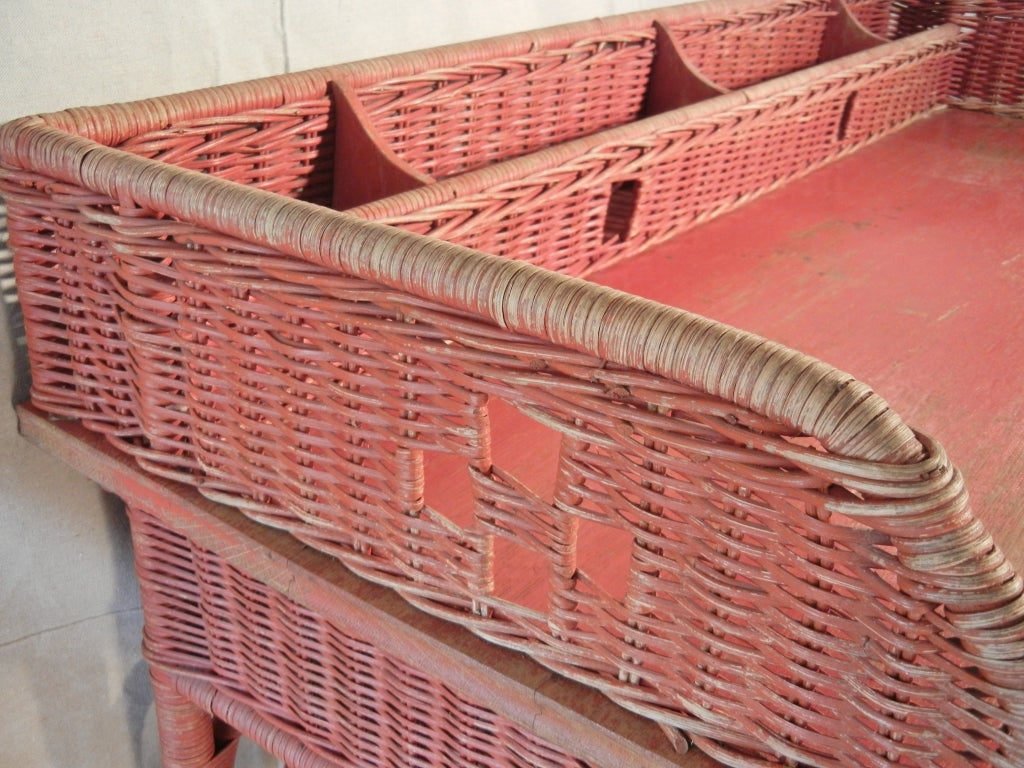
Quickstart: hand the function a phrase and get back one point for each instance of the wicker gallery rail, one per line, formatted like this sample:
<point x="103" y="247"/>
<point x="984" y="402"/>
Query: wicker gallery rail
<point x="797" y="575"/>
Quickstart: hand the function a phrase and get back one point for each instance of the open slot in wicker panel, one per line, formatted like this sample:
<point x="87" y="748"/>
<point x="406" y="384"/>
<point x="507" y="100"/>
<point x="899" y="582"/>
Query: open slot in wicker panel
<point x="399" y="128"/>
<point x="579" y="205"/>
<point x="443" y="421"/>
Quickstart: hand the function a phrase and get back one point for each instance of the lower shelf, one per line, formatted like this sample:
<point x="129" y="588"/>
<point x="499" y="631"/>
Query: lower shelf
<point x="247" y="627"/>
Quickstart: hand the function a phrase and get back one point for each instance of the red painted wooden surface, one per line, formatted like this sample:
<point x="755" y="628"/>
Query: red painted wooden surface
<point x="902" y="264"/>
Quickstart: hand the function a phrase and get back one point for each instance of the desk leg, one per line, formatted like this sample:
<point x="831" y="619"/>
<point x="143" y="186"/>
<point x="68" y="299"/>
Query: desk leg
<point x="189" y="737"/>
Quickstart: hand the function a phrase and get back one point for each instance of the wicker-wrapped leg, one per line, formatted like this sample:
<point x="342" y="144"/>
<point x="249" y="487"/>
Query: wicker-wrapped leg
<point x="189" y="737"/>
<point x="226" y="708"/>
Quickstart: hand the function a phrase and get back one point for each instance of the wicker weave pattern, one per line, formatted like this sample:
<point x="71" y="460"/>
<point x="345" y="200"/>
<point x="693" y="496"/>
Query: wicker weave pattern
<point x="323" y="421"/>
<point x="769" y="41"/>
<point x="991" y="72"/>
<point x="448" y="121"/>
<point x="800" y="576"/>
<point x="340" y="696"/>
<point x="285" y="149"/>
<point x="679" y="172"/>
<point x="756" y="521"/>
<point x="77" y="351"/>
<point x="622" y="195"/>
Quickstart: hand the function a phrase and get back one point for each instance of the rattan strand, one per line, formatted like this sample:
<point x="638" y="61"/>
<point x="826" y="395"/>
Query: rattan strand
<point x="167" y="309"/>
<point x="294" y="681"/>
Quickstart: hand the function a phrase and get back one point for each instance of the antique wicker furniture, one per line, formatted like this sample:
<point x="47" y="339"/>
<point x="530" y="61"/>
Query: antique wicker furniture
<point x="247" y="631"/>
<point x="726" y="536"/>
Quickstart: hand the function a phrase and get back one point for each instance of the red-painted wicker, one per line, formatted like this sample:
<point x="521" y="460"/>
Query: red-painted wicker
<point x="318" y="694"/>
<point x="249" y="632"/>
<point x="432" y="124"/>
<point x="800" y="576"/>
<point x="619" y="191"/>
<point x="990" y="75"/>
<point x="990" y="69"/>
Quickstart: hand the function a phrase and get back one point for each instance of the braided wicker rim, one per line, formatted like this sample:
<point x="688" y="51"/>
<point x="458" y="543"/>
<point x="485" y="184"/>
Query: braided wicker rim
<point x="850" y="420"/>
<point x="764" y="376"/>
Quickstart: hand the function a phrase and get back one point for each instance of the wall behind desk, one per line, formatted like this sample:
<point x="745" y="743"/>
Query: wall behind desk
<point x="76" y="691"/>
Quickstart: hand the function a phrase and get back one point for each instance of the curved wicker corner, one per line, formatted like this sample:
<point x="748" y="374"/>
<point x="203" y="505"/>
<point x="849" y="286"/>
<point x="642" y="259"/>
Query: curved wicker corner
<point x="804" y="579"/>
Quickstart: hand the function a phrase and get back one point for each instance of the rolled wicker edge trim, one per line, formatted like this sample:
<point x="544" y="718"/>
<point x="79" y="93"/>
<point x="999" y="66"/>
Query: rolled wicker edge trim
<point x="805" y="393"/>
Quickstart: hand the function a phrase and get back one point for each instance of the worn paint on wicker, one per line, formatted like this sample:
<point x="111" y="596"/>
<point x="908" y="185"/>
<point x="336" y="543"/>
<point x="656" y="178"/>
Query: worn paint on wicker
<point x="307" y="367"/>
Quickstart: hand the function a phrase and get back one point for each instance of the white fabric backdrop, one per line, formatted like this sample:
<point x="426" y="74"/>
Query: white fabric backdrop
<point x="75" y="690"/>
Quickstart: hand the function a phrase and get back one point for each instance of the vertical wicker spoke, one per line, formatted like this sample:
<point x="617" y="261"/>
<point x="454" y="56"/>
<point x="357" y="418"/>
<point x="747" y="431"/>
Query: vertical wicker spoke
<point x="729" y="537"/>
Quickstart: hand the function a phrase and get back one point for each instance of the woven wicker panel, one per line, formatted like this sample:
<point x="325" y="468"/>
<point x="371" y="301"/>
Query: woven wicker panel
<point x="706" y="170"/>
<point x="742" y="576"/>
<point x="63" y="269"/>
<point x="678" y="173"/>
<point x="772" y="595"/>
<point x="346" y="700"/>
<point x="743" y="48"/>
<point x="316" y="401"/>
<point x="991" y="72"/>
<point x="447" y="121"/>
<point x="879" y="107"/>
<point x="287" y="149"/>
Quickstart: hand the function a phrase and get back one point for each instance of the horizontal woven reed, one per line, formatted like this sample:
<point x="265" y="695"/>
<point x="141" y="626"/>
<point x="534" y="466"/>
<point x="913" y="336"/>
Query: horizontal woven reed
<point x="889" y="20"/>
<point x="738" y="49"/>
<point x="447" y="121"/>
<point x="454" y="119"/>
<point x="293" y="154"/>
<point x="693" y="481"/>
<point x="990" y="70"/>
<point x="324" y="695"/>
<point x="799" y="576"/>
<point x="634" y="452"/>
<point x="579" y="206"/>
<point x="407" y="131"/>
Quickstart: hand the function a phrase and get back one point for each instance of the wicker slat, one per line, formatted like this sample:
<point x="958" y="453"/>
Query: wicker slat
<point x="299" y="684"/>
<point x="799" y="575"/>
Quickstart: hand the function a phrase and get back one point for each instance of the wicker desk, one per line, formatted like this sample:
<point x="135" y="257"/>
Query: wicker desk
<point x="476" y="704"/>
<point x="728" y="535"/>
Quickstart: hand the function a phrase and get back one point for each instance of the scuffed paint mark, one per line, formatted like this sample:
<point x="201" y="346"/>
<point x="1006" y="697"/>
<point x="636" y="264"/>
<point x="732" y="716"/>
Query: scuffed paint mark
<point x="949" y="313"/>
